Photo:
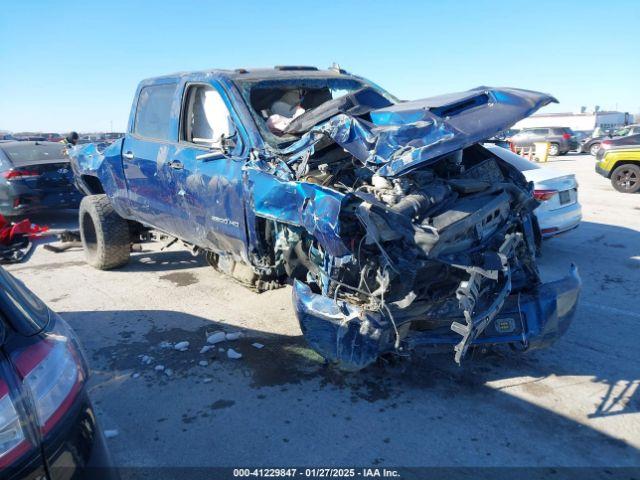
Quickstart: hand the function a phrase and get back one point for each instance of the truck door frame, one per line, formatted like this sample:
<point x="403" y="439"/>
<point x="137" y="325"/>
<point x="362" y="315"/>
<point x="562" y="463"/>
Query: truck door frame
<point x="224" y="229"/>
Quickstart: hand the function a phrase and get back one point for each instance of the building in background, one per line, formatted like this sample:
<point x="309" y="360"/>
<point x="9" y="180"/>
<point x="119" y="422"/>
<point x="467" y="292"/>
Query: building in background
<point x="583" y="121"/>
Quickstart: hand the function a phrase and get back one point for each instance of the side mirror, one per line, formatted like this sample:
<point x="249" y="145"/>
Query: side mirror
<point x="228" y="142"/>
<point x="224" y="145"/>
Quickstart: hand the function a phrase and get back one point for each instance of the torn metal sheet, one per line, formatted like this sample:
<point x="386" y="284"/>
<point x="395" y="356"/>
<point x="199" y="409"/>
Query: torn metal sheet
<point x="402" y="136"/>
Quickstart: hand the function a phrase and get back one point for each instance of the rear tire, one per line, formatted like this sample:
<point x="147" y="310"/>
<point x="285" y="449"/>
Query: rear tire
<point x="593" y="149"/>
<point x="626" y="178"/>
<point x="554" y="149"/>
<point x="104" y="233"/>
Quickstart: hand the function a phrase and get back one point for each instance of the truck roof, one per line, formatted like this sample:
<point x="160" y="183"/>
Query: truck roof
<point x="256" y="74"/>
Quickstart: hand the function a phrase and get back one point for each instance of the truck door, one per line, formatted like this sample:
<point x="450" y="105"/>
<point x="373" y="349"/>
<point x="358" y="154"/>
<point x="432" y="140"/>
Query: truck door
<point x="212" y="190"/>
<point x="147" y="154"/>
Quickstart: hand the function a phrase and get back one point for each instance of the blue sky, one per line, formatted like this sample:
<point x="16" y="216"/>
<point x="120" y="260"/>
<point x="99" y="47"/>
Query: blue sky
<point x="74" y="65"/>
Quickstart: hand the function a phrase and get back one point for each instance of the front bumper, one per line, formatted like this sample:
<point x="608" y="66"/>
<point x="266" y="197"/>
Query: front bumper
<point x="354" y="338"/>
<point x="601" y="171"/>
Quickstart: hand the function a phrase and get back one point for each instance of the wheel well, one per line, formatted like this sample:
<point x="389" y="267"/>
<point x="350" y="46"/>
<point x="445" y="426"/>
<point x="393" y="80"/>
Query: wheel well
<point x="623" y="162"/>
<point x="92" y="185"/>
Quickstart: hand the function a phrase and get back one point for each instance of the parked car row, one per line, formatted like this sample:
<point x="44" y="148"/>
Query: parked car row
<point x="56" y="137"/>
<point x="561" y="139"/>
<point x="617" y="154"/>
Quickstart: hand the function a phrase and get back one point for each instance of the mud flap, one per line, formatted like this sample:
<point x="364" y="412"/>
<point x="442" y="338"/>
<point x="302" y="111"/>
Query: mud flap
<point x="340" y="332"/>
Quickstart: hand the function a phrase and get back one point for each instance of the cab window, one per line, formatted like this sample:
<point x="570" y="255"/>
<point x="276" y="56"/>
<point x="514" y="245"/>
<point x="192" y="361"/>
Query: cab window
<point x="206" y="118"/>
<point x="153" y="112"/>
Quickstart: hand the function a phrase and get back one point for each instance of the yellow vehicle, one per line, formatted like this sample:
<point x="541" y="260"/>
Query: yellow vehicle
<point x="619" y="160"/>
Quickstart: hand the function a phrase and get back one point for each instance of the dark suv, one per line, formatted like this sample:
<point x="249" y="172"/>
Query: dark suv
<point x="561" y="139"/>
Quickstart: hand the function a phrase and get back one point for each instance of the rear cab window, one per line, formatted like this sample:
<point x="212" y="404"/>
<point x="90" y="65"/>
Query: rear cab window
<point x="153" y="111"/>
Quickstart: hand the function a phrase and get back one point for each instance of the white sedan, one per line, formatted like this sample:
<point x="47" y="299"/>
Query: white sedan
<point x="560" y="210"/>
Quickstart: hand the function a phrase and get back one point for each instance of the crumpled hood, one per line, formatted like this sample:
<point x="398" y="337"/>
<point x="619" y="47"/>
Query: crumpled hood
<point x="403" y="136"/>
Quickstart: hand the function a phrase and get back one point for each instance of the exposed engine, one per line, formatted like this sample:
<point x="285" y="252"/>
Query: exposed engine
<point x="432" y="249"/>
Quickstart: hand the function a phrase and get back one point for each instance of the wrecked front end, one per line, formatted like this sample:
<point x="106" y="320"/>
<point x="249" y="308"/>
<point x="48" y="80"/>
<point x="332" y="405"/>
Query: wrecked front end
<point x="401" y="231"/>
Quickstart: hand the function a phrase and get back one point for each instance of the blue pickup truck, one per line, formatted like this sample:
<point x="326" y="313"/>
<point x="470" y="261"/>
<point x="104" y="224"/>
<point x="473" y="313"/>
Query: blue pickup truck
<point x="394" y="226"/>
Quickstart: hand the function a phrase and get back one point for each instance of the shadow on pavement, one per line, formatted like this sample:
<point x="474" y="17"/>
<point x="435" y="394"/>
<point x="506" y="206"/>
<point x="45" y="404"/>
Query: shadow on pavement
<point x="607" y="319"/>
<point x="163" y="261"/>
<point x="286" y="362"/>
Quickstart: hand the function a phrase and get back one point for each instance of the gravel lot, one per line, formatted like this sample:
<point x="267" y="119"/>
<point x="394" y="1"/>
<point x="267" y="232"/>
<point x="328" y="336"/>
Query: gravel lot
<point x="576" y="404"/>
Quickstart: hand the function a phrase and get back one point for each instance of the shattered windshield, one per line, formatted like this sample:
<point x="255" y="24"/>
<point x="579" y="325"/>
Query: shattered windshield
<point x="276" y="103"/>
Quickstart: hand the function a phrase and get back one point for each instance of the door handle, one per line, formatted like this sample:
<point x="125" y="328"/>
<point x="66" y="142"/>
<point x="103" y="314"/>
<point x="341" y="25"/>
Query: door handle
<point x="176" y="164"/>
<point x="128" y="155"/>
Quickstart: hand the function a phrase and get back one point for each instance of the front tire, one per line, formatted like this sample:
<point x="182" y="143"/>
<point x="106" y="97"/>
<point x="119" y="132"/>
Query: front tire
<point x="626" y="178"/>
<point x="104" y="233"/>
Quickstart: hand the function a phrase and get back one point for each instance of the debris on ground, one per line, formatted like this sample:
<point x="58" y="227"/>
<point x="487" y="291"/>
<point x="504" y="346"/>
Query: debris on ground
<point x="203" y="363"/>
<point x="181" y="346"/>
<point x="111" y="433"/>
<point x="16" y="239"/>
<point x="205" y="349"/>
<point x="216" y="337"/>
<point x="165" y="345"/>
<point x="207" y="380"/>
<point x="135" y="375"/>
<point x="68" y="239"/>
<point x="168" y="372"/>
<point x="257" y="345"/>
<point x="146" y="359"/>
<point x="159" y="368"/>
<point x="233" y="336"/>
<point x="231" y="353"/>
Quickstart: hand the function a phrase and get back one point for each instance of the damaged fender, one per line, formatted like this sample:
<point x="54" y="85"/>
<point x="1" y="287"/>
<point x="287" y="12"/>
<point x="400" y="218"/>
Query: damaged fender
<point x="341" y="332"/>
<point x="299" y="204"/>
